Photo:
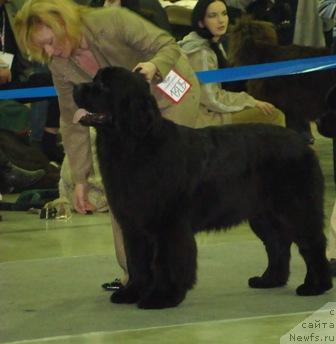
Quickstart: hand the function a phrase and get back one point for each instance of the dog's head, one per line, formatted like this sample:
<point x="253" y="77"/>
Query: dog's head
<point x="245" y="35"/>
<point x="117" y="99"/>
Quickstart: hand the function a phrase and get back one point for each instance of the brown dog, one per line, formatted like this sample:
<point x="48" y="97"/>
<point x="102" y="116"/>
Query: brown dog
<point x="301" y="97"/>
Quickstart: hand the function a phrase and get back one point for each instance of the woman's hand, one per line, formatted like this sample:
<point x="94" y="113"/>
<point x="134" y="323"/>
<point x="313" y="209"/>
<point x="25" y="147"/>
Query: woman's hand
<point x="148" y="69"/>
<point x="81" y="202"/>
<point x="266" y="108"/>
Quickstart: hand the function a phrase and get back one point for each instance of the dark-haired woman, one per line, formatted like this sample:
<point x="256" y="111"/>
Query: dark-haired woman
<point x="205" y="52"/>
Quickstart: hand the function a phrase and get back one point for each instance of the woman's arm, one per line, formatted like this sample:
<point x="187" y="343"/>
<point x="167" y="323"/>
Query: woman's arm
<point x="156" y="45"/>
<point x="212" y="95"/>
<point x="75" y="137"/>
<point x="76" y="142"/>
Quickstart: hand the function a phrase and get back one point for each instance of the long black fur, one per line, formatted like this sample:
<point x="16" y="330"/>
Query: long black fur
<point x="165" y="182"/>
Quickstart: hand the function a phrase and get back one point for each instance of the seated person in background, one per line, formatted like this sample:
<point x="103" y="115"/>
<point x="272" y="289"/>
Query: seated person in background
<point x="22" y="73"/>
<point x="205" y="52"/>
<point x="149" y="9"/>
<point x="14" y="178"/>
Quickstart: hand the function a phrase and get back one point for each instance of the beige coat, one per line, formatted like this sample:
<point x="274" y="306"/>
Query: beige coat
<point x="217" y="104"/>
<point x="118" y="37"/>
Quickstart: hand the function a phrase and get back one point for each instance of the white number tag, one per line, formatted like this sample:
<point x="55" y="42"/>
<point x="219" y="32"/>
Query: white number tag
<point x="174" y="86"/>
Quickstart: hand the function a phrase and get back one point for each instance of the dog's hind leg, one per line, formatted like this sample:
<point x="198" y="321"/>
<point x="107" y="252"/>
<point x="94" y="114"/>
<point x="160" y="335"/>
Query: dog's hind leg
<point x="174" y="267"/>
<point x="277" y="246"/>
<point x="307" y="230"/>
<point x="139" y="252"/>
<point x="318" y="277"/>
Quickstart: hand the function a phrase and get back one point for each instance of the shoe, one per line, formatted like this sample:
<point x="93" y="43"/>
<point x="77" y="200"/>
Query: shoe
<point x="112" y="286"/>
<point x="17" y="179"/>
<point x="333" y="267"/>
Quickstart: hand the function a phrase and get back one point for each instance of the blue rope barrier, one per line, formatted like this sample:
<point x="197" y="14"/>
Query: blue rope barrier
<point x="29" y="93"/>
<point x="264" y="70"/>
<point x="267" y="70"/>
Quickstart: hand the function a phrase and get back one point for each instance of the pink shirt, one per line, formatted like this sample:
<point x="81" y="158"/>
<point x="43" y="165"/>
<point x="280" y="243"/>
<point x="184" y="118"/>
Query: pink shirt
<point x="85" y="59"/>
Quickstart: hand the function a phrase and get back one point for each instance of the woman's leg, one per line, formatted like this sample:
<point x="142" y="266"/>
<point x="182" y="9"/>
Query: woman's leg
<point x="250" y="115"/>
<point x="119" y="248"/>
<point x="254" y="115"/>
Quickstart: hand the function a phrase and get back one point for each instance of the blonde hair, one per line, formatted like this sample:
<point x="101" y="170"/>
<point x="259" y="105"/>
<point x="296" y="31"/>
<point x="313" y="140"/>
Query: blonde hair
<point x="63" y="17"/>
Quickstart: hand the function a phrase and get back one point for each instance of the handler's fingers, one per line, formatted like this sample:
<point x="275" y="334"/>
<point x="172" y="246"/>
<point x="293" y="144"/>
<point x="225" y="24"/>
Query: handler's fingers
<point x="89" y="206"/>
<point x="148" y="69"/>
<point x="139" y="68"/>
<point x="266" y="108"/>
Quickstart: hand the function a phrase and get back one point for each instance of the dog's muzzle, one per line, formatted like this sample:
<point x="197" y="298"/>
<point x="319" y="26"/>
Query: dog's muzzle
<point x="89" y="118"/>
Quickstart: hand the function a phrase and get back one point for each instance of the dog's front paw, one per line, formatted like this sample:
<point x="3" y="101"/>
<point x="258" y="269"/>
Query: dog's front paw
<point x="307" y="289"/>
<point x="125" y="295"/>
<point x="262" y="282"/>
<point x="157" y="300"/>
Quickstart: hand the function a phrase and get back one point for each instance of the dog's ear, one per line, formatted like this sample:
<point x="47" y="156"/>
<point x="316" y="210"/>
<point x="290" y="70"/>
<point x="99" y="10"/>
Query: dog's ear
<point x="140" y="115"/>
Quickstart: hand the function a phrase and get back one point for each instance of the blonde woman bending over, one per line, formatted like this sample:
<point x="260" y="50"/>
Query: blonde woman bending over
<point x="75" y="41"/>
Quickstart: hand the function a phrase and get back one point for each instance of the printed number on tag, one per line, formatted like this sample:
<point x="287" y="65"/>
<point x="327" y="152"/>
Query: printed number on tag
<point x="174" y="86"/>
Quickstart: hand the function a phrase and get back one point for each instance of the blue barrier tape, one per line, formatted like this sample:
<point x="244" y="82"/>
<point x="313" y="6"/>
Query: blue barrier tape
<point x="264" y="70"/>
<point x="267" y="70"/>
<point x="34" y="92"/>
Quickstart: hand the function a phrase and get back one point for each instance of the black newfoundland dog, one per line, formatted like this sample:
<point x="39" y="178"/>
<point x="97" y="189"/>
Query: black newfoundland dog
<point x="165" y="182"/>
